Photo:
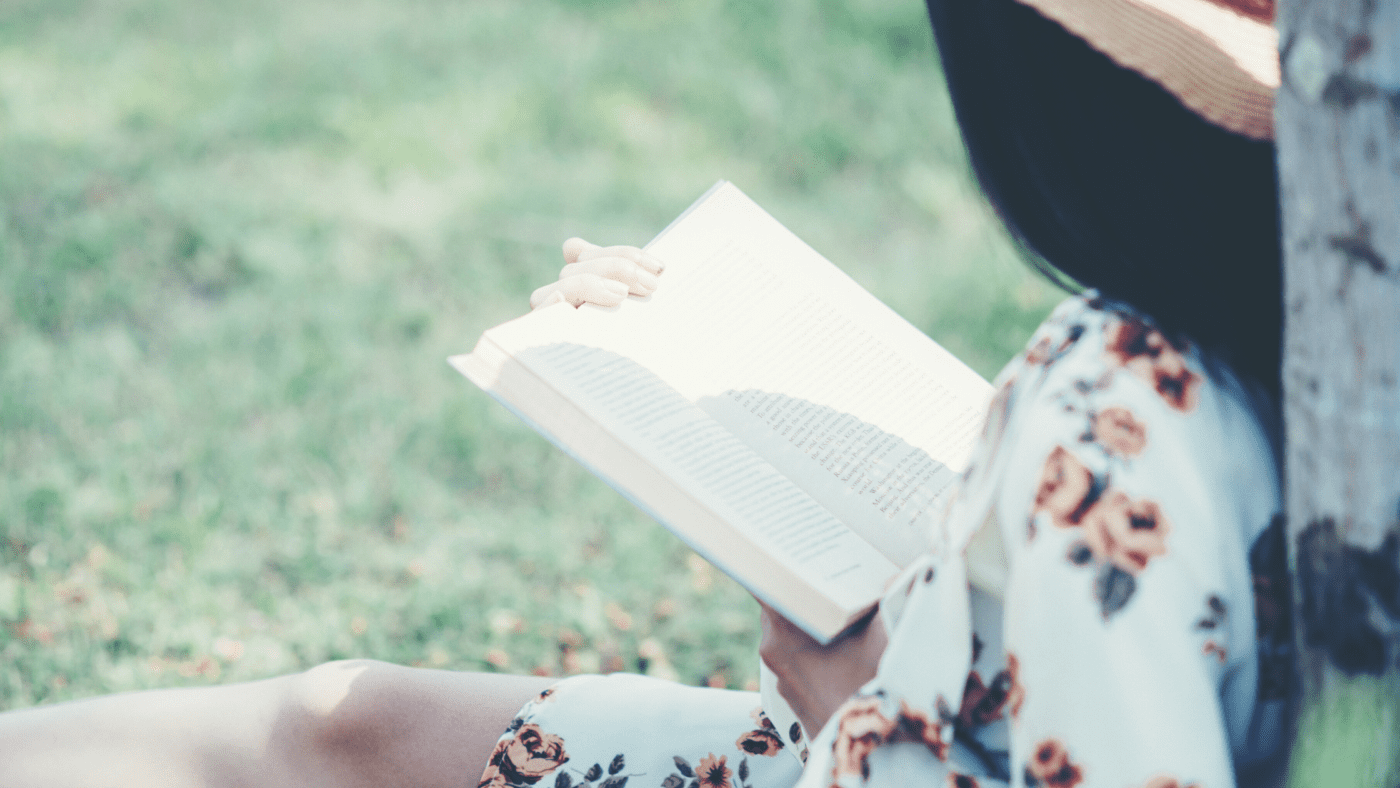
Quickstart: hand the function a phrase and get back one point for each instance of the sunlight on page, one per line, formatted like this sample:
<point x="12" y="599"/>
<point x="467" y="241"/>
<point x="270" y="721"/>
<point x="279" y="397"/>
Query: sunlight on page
<point x="686" y="443"/>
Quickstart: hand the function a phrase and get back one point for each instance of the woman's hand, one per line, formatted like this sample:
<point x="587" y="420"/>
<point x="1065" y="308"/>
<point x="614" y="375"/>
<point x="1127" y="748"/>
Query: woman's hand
<point x="603" y="275"/>
<point x="815" y="679"/>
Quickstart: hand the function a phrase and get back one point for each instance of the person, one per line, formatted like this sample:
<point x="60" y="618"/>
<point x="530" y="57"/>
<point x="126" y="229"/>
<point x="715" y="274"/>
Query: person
<point x="1105" y="602"/>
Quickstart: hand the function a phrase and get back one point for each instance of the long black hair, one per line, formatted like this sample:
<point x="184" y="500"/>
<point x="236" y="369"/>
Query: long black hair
<point x="1107" y="181"/>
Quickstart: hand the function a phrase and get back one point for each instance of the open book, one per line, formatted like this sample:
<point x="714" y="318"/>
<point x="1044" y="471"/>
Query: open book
<point x="782" y="421"/>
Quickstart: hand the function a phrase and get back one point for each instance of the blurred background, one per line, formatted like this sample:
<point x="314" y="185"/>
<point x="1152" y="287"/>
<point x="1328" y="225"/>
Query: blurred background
<point x="238" y="240"/>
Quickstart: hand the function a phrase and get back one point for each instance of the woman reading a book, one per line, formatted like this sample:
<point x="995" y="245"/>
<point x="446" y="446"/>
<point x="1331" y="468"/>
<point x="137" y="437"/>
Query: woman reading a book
<point x="1104" y="604"/>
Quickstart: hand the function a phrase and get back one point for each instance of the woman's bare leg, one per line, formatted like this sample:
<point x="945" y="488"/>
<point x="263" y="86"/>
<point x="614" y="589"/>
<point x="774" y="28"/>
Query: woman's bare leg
<point x="391" y="725"/>
<point x="342" y="724"/>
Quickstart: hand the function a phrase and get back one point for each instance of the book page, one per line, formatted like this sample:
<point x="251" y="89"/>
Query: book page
<point x="858" y="408"/>
<point x="812" y="421"/>
<point x="685" y="443"/>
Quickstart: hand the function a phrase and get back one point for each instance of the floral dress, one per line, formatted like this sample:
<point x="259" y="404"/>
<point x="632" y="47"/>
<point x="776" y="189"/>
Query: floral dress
<point x="1104" y="605"/>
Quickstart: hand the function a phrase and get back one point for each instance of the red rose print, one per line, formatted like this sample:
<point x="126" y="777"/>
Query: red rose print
<point x="956" y="780"/>
<point x="1126" y="338"/>
<point x="862" y="728"/>
<point x="1064" y="486"/>
<point x="524" y="759"/>
<point x="1050" y="765"/>
<point x="1118" y="432"/>
<point x="1143" y="351"/>
<point x="1125" y="532"/>
<point x="1178" y="385"/>
<point x="1166" y="781"/>
<point x="491" y="778"/>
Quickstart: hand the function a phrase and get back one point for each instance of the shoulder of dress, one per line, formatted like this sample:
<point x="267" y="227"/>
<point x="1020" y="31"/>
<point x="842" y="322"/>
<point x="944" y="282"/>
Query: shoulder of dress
<point x="1101" y="381"/>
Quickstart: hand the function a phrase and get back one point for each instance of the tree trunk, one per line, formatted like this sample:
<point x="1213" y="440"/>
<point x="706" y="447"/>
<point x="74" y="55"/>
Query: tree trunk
<point x="1338" y="135"/>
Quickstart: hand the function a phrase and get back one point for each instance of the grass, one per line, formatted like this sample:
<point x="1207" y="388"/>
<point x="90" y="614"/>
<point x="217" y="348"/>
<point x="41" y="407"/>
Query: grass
<point x="237" y="242"/>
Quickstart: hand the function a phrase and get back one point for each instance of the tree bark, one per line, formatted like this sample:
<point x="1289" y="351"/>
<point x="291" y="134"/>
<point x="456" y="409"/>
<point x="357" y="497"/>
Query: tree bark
<point x="1338" y="136"/>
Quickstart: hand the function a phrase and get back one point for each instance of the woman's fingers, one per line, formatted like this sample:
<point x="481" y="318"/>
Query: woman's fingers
<point x="603" y="275"/>
<point x="644" y="259"/>
<point x="548" y="295"/>
<point x="584" y="288"/>
<point x="640" y="282"/>
<point x="577" y="250"/>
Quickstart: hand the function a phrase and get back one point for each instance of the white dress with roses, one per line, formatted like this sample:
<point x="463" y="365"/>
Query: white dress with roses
<point x="1105" y="605"/>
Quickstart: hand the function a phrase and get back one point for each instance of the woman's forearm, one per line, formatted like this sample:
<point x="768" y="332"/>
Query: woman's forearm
<point x="815" y="679"/>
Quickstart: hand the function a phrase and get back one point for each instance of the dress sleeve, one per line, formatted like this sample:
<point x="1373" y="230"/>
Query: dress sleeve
<point x="1123" y="653"/>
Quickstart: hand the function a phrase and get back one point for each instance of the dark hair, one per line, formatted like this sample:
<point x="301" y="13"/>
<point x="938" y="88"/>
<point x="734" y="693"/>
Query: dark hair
<point x="1109" y="182"/>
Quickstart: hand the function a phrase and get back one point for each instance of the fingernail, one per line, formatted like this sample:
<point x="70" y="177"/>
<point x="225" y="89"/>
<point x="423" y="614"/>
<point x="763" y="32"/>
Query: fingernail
<point x="647" y="280"/>
<point x="656" y="264"/>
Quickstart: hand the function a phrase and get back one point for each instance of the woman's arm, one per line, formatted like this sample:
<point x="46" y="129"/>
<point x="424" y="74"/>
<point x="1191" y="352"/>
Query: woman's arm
<point x="815" y="679"/>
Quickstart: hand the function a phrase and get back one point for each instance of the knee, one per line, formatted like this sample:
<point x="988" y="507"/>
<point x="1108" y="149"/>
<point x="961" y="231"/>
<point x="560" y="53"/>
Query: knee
<point x="346" y="704"/>
<point x="323" y="690"/>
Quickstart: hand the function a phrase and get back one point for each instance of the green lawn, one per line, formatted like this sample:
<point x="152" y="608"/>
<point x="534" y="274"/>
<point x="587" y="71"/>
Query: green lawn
<point x="238" y="240"/>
